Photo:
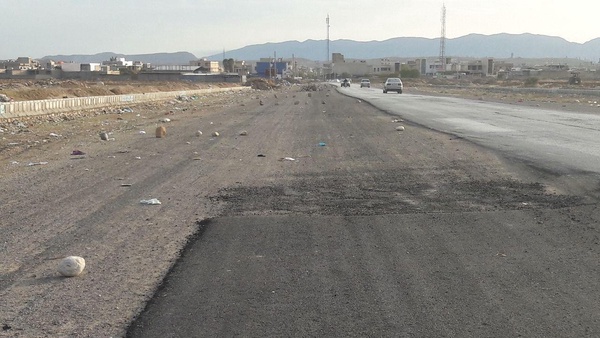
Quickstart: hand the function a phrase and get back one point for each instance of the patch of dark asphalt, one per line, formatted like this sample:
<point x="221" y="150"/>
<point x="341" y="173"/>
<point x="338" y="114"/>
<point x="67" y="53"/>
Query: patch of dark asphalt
<point x="203" y="226"/>
<point x="389" y="192"/>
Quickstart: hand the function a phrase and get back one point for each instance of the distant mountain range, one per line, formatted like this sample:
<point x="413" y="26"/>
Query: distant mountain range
<point x="472" y="45"/>
<point x="178" y="58"/>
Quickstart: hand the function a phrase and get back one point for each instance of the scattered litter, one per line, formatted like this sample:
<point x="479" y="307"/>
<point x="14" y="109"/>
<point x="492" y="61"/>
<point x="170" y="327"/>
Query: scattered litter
<point x="243" y="133"/>
<point x="261" y="155"/>
<point x="397" y="120"/>
<point x="198" y="133"/>
<point x="359" y="101"/>
<point x="104" y="136"/>
<point x="165" y="120"/>
<point x="36" y="163"/>
<point x="126" y="185"/>
<point x="112" y="156"/>
<point x="287" y="159"/>
<point x="211" y="123"/>
<point x="152" y="201"/>
<point x="216" y="134"/>
<point x="323" y="102"/>
<point x="138" y="158"/>
<point x="322" y="144"/>
<point x="77" y="153"/>
<point x="71" y="266"/>
<point x="188" y="143"/>
<point x="501" y="254"/>
<point x="14" y="162"/>
<point x="400" y="128"/>
<point x="142" y="131"/>
<point x="54" y="135"/>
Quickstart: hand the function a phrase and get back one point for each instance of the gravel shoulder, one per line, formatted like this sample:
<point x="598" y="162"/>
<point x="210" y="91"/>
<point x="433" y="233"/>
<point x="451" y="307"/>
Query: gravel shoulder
<point x="90" y="205"/>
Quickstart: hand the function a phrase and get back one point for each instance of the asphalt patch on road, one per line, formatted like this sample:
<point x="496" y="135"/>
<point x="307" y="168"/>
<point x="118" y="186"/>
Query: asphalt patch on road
<point x="388" y="192"/>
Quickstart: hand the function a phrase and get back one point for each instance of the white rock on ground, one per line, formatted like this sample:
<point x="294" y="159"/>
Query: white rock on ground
<point x="71" y="266"/>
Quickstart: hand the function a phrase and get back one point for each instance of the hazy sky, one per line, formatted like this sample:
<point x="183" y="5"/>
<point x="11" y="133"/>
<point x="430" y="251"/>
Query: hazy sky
<point x="37" y="28"/>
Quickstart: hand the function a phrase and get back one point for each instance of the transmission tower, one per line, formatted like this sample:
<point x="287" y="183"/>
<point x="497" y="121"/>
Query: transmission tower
<point x="327" y="21"/>
<point x="443" y="39"/>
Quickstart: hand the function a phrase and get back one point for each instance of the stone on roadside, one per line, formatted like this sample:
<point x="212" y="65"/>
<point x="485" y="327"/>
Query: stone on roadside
<point x="296" y="103"/>
<point x="400" y="128"/>
<point x="216" y="134"/>
<point x="199" y="133"/>
<point x="71" y="266"/>
<point x="243" y="133"/>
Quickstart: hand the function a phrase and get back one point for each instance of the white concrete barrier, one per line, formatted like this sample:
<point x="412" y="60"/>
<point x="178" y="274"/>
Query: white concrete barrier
<point x="42" y="107"/>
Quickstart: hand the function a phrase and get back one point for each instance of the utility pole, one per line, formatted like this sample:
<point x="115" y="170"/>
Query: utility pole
<point x="443" y="39"/>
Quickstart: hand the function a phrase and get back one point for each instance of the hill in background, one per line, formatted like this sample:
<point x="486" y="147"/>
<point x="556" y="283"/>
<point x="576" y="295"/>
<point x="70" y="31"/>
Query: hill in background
<point x="178" y="58"/>
<point x="500" y="46"/>
<point x="472" y="45"/>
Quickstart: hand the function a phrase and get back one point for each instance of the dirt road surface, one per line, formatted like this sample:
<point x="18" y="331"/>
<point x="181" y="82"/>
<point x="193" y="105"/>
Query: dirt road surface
<point x="366" y="230"/>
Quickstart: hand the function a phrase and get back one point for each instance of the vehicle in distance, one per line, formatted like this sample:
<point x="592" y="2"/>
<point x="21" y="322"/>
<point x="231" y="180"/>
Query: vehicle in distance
<point x="365" y="83"/>
<point x="393" y="84"/>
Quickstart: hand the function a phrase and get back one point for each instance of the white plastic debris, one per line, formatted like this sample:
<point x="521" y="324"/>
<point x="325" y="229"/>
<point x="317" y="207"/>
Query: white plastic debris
<point x="165" y="120"/>
<point x="288" y="159"/>
<point x="71" y="266"/>
<point x="215" y="134"/>
<point x="152" y="201"/>
<point x="198" y="133"/>
<point x="142" y="131"/>
<point x="37" y="163"/>
<point x="54" y="135"/>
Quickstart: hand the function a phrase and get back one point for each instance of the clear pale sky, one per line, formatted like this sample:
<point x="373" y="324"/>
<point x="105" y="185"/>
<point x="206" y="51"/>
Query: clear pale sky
<point x="37" y="28"/>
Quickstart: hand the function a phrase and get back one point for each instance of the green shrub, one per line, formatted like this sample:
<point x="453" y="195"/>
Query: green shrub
<point x="531" y="82"/>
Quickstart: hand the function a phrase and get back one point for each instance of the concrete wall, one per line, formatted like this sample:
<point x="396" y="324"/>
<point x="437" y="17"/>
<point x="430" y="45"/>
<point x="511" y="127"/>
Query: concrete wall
<point x="41" y="107"/>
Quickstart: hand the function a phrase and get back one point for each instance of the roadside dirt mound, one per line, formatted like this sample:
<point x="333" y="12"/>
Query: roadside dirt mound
<point x="20" y="90"/>
<point x="261" y="84"/>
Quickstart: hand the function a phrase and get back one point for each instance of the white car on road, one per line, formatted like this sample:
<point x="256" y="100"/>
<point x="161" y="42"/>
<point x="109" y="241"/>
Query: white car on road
<point x="393" y="84"/>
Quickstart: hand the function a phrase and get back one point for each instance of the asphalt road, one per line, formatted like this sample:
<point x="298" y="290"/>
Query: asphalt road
<point x="371" y="232"/>
<point x="554" y="140"/>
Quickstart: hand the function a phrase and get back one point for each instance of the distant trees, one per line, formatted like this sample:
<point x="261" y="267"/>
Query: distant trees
<point x="409" y="73"/>
<point x="228" y="65"/>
